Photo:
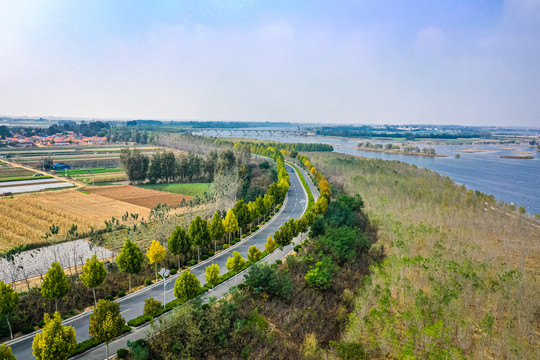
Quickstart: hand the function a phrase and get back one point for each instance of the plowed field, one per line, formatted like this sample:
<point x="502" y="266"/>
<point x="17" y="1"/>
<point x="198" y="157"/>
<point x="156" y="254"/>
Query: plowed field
<point x="138" y="196"/>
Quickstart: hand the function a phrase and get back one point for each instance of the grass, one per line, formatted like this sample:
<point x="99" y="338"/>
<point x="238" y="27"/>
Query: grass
<point x="93" y="170"/>
<point x="189" y="189"/>
<point x="311" y="200"/>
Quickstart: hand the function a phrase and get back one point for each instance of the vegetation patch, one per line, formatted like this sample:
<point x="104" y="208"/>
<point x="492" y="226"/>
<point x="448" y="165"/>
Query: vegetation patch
<point x="189" y="189"/>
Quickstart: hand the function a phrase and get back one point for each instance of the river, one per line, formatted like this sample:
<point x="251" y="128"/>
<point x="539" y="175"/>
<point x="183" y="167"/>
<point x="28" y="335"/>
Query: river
<point x="510" y="180"/>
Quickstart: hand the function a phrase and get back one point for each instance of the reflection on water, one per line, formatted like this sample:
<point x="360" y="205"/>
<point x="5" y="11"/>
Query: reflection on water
<point x="509" y="180"/>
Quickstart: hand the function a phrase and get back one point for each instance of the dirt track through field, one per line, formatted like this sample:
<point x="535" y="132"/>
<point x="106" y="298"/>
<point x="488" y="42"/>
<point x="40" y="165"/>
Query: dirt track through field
<point x="138" y="196"/>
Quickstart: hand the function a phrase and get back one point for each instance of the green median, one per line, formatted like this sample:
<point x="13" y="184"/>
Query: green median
<point x="311" y="199"/>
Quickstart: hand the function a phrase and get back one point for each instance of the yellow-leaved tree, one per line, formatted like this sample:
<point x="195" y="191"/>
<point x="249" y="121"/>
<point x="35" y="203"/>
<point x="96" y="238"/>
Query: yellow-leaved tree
<point x="155" y="254"/>
<point x="230" y="223"/>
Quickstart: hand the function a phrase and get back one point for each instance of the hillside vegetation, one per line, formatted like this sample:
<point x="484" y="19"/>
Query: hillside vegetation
<point x="460" y="275"/>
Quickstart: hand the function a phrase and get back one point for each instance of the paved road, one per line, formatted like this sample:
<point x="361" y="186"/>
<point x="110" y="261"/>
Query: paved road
<point x="132" y="305"/>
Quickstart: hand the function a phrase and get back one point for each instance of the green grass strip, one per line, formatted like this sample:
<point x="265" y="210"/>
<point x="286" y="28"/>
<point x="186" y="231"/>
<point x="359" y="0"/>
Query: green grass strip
<point x="311" y="200"/>
<point x="27" y="178"/>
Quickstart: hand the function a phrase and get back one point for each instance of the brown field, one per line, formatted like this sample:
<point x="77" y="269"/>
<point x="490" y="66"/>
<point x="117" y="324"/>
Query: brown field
<point x="138" y="196"/>
<point x="27" y="217"/>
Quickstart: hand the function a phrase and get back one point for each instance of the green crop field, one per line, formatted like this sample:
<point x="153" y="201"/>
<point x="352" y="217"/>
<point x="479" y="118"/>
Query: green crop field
<point x="189" y="189"/>
<point x="93" y="170"/>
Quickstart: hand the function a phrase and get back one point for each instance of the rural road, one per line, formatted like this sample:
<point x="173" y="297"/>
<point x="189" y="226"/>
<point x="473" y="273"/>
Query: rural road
<point x="132" y="305"/>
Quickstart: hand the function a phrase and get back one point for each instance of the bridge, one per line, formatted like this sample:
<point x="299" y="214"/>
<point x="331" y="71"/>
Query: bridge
<point x="248" y="132"/>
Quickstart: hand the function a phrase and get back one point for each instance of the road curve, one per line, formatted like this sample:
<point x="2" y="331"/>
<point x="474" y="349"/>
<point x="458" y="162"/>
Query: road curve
<point x="132" y="305"/>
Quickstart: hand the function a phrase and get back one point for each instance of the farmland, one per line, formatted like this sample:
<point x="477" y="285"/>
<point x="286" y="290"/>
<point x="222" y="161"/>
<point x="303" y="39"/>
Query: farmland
<point x="24" y="219"/>
<point x="189" y="189"/>
<point x="9" y="172"/>
<point x="138" y="196"/>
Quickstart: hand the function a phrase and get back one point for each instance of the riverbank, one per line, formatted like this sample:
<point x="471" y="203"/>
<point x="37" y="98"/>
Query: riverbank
<point x="398" y="152"/>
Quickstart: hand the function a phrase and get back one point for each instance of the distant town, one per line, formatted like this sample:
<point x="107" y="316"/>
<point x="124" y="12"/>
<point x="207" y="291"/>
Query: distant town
<point x="69" y="138"/>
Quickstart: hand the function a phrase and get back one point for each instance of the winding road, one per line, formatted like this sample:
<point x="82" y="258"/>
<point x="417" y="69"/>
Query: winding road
<point x="132" y="305"/>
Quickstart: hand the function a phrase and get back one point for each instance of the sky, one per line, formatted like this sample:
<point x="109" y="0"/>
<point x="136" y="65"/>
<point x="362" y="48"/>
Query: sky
<point x="335" y="61"/>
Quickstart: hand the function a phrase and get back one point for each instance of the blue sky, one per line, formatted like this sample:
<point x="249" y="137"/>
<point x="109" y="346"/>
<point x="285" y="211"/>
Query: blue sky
<point x="381" y="61"/>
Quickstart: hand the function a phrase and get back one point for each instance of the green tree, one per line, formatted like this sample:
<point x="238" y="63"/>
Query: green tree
<point x="253" y="213"/>
<point x="130" y="259"/>
<point x="155" y="254"/>
<point x="106" y="322"/>
<point x="199" y="234"/>
<point x="8" y="302"/>
<point x="236" y="262"/>
<point x="179" y="243"/>
<point x="93" y="274"/>
<point x="55" y="342"/>
<point x="186" y="286"/>
<point x="212" y="274"/>
<point x="5" y="353"/>
<point x="55" y="285"/>
<point x="241" y="211"/>
<point x="261" y="208"/>
<point x="135" y="163"/>
<point x="270" y="245"/>
<point x="254" y="254"/>
<point x="216" y="228"/>
<point x="321" y="275"/>
<point x="152" y="307"/>
<point x="230" y="223"/>
<point x="269" y="202"/>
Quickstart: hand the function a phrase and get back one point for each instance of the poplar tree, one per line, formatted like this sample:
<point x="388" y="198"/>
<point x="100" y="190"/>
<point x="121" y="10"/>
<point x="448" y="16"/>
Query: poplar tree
<point x="186" y="286"/>
<point x="216" y="229"/>
<point x="199" y="234"/>
<point x="93" y="274"/>
<point x="55" y="285"/>
<point x="130" y="259"/>
<point x="230" y="223"/>
<point x="155" y="254"/>
<point x="55" y="341"/>
<point x="179" y="243"/>
<point x="241" y="211"/>
<point x="8" y="302"/>
<point x="106" y="322"/>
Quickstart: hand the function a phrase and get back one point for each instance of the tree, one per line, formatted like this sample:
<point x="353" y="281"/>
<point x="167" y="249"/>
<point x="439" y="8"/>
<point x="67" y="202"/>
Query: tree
<point x="216" y="228"/>
<point x="152" y="307"/>
<point x="269" y="201"/>
<point x="186" y="286"/>
<point x="254" y="254"/>
<point x="230" y="223"/>
<point x="253" y="213"/>
<point x="241" y="211"/>
<point x="199" y="234"/>
<point x="55" y="341"/>
<point x="5" y="353"/>
<point x="106" y="322"/>
<point x="261" y="208"/>
<point x="8" y="301"/>
<point x="130" y="259"/>
<point x="155" y="254"/>
<point x="55" y="285"/>
<point x="212" y="274"/>
<point x="270" y="245"/>
<point x="135" y="163"/>
<point x="179" y="243"/>
<point x="236" y="262"/>
<point x="321" y="275"/>
<point x="93" y="274"/>
<point x="320" y="206"/>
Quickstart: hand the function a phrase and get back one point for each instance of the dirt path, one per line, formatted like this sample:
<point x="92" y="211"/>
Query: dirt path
<point x="78" y="184"/>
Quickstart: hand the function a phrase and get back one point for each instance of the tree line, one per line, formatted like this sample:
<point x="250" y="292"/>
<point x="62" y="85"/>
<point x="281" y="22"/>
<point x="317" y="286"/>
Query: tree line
<point x="164" y="166"/>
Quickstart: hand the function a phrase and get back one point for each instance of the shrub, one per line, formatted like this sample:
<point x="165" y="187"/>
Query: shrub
<point x="139" y="320"/>
<point x="255" y="228"/>
<point x="147" y="282"/>
<point x="27" y="329"/>
<point x="121" y="293"/>
<point x="236" y="239"/>
<point x="192" y="262"/>
<point x="108" y="297"/>
<point x="204" y="257"/>
<point x="297" y="247"/>
<point x="85" y="345"/>
<point x="173" y="272"/>
<point x="211" y="253"/>
<point x="122" y="353"/>
<point x="226" y="246"/>
<point x="278" y="261"/>
<point x="267" y="218"/>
